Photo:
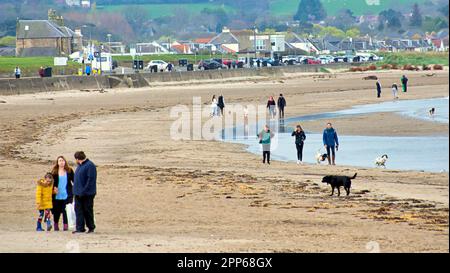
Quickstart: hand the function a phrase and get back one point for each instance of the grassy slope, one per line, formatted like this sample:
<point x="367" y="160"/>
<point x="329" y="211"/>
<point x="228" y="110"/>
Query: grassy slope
<point x="161" y="10"/>
<point x="31" y="65"/>
<point x="414" y="58"/>
<point x="359" y="7"/>
<point x="278" y="7"/>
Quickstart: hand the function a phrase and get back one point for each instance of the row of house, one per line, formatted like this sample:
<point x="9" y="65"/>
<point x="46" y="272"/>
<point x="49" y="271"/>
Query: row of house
<point x="251" y="41"/>
<point x="52" y="38"/>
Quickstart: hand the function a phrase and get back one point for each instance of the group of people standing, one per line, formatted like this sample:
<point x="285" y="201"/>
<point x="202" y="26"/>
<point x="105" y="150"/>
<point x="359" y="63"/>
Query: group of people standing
<point x="329" y="137"/>
<point x="403" y="80"/>
<point x="217" y="106"/>
<point x="60" y="187"/>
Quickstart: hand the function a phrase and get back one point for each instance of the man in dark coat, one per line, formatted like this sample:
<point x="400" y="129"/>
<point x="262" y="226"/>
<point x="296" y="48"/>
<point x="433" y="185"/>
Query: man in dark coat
<point x="281" y="103"/>
<point x="378" y="89"/>
<point x="404" y="80"/>
<point x="84" y="189"/>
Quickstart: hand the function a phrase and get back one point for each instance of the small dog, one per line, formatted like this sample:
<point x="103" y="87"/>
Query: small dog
<point x="432" y="110"/>
<point x="381" y="161"/>
<point x="321" y="157"/>
<point x="337" y="182"/>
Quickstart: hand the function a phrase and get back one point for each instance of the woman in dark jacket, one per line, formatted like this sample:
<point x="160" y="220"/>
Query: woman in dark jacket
<point x="299" y="141"/>
<point x="63" y="176"/>
<point x="221" y="104"/>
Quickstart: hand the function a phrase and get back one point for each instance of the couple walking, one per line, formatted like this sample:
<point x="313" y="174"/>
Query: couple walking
<point x="281" y="103"/>
<point x="216" y="105"/>
<point x="58" y="189"/>
<point x="265" y="139"/>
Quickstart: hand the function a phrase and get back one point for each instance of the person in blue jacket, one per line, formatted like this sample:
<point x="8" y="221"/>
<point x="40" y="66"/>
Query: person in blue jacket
<point x="331" y="143"/>
<point x="84" y="190"/>
<point x="88" y="70"/>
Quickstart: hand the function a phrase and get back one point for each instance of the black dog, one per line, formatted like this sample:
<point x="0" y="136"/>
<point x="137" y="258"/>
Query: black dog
<point x="339" y="181"/>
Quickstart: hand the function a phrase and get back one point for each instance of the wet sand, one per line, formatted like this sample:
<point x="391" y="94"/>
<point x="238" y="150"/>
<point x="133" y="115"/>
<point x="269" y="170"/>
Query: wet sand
<point x="159" y="195"/>
<point x="370" y="125"/>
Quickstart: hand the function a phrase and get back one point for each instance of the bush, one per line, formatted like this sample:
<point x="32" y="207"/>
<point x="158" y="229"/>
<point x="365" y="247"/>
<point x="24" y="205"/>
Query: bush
<point x="394" y="66"/>
<point x="386" y="66"/>
<point x="426" y="67"/>
<point x="438" y="67"/>
<point x="355" y="69"/>
<point x="372" y="67"/>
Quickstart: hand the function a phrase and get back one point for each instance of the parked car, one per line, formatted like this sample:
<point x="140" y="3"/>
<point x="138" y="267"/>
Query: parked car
<point x="182" y="62"/>
<point x="326" y="59"/>
<point x="342" y="59"/>
<point x="311" y="60"/>
<point x="301" y="59"/>
<point x="272" y="62"/>
<point x="210" y="65"/>
<point x="368" y="57"/>
<point x="292" y="58"/>
<point x="161" y="65"/>
<point x="229" y="63"/>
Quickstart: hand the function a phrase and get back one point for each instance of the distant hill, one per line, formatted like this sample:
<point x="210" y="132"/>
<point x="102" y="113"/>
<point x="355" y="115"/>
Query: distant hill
<point x="277" y="7"/>
<point x="359" y="7"/>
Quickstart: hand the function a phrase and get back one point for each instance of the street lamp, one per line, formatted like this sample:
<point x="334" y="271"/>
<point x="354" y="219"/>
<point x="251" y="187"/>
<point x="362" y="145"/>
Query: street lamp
<point x="254" y="39"/>
<point x="109" y="41"/>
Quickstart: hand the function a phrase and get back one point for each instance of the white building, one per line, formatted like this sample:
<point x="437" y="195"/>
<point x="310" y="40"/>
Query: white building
<point x="85" y="3"/>
<point x="72" y="3"/>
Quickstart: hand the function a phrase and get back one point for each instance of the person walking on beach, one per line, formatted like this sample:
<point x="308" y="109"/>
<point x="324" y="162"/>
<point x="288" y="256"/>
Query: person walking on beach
<point x="214" y="107"/>
<point x="84" y="189"/>
<point x="221" y="104"/>
<point x="404" y="80"/>
<point x="63" y="177"/>
<point x="44" y="191"/>
<point x="395" y="91"/>
<point x="300" y="138"/>
<point x="271" y="105"/>
<point x="281" y="103"/>
<point x="331" y="143"/>
<point x="17" y="72"/>
<point x="265" y="137"/>
<point x="378" y="89"/>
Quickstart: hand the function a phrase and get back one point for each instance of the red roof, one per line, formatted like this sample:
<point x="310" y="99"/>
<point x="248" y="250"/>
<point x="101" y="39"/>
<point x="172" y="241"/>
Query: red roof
<point x="182" y="48"/>
<point x="202" y="40"/>
<point x="436" y="42"/>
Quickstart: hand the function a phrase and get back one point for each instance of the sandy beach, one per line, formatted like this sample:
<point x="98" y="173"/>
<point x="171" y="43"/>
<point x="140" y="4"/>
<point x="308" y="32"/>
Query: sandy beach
<point x="160" y="195"/>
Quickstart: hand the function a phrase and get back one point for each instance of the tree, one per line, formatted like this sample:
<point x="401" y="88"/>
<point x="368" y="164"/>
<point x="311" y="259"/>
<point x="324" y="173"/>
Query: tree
<point x="343" y="20"/>
<point x="353" y="32"/>
<point x="444" y="10"/>
<point x="431" y="24"/>
<point x="310" y="10"/>
<point x="416" y="17"/>
<point x="390" y="19"/>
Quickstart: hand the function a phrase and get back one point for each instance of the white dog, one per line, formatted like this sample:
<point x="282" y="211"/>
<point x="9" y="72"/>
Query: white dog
<point x="381" y="161"/>
<point x="320" y="157"/>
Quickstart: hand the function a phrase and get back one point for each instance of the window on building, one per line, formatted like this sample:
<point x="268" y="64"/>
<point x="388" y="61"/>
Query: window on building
<point x="260" y="44"/>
